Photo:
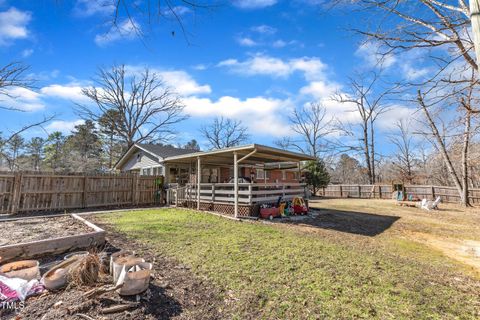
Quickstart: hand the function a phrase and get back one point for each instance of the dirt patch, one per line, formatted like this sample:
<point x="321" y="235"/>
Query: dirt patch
<point x="174" y="293"/>
<point x="465" y="251"/>
<point x="27" y="230"/>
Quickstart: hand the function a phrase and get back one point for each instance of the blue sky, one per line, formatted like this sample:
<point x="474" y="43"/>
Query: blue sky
<point x="251" y="60"/>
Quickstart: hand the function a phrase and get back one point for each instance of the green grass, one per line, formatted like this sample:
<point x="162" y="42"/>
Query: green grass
<point x="275" y="271"/>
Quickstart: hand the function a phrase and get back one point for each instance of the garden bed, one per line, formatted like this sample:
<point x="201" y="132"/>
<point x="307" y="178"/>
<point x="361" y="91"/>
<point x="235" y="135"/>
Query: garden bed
<point x="32" y="237"/>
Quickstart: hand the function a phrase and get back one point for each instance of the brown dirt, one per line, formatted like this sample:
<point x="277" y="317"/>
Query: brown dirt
<point x="26" y="230"/>
<point x="174" y="293"/>
<point x="465" y="251"/>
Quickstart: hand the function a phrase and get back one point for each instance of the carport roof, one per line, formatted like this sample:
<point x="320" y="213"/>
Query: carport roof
<point x="258" y="154"/>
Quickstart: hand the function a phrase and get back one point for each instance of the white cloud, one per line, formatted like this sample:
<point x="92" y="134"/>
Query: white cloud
<point x="183" y="83"/>
<point x="412" y="73"/>
<point x="279" y="43"/>
<point x="254" y="4"/>
<point x="200" y="67"/>
<point x="128" y="29"/>
<point x="22" y="99"/>
<point x="87" y="8"/>
<point x="246" y="42"/>
<point x="374" y="55"/>
<point x="395" y="113"/>
<point x="27" y="53"/>
<point x="320" y="90"/>
<point x="253" y="112"/>
<point x="264" y="29"/>
<point x="312" y="68"/>
<point x="179" y="81"/>
<point x="176" y="11"/>
<point x="70" y="92"/>
<point x="13" y="25"/>
<point x="63" y="126"/>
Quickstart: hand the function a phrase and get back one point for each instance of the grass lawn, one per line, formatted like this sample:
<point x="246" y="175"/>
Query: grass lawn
<point x="323" y="268"/>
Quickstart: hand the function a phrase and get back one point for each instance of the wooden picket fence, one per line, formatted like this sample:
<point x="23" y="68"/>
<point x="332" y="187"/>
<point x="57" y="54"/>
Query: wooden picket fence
<point x="27" y="192"/>
<point x="448" y="194"/>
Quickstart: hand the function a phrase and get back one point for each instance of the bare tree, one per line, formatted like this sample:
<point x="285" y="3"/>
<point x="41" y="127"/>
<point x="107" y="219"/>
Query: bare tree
<point x="224" y="133"/>
<point x="150" y="12"/>
<point x="405" y="154"/>
<point x="12" y="75"/>
<point x="460" y="179"/>
<point x="147" y="108"/>
<point x="369" y="100"/>
<point x="312" y="125"/>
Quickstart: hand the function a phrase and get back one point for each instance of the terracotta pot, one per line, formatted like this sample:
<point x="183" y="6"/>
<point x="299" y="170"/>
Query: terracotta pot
<point x="56" y="277"/>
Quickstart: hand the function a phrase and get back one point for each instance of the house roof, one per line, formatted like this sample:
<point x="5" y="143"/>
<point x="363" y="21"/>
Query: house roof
<point x="163" y="151"/>
<point x="256" y="153"/>
<point x="158" y="151"/>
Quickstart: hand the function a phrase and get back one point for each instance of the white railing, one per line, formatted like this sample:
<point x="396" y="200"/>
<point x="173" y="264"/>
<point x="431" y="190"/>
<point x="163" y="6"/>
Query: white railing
<point x="248" y="193"/>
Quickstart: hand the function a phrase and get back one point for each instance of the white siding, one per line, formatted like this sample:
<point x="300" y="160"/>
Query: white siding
<point x="145" y="160"/>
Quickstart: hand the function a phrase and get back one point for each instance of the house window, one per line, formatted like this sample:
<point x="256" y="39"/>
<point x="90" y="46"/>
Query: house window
<point x="263" y="174"/>
<point x="284" y="174"/>
<point x="260" y="174"/>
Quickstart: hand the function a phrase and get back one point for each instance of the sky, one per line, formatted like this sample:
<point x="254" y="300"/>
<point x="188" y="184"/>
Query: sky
<point x="251" y="60"/>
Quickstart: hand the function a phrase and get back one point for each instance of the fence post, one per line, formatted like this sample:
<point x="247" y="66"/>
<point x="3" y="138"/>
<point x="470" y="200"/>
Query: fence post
<point x="359" y="192"/>
<point x="16" y="192"/>
<point x="213" y="192"/>
<point x="341" y="192"/>
<point x="433" y="192"/>
<point x="84" y="193"/>
<point x="380" y="192"/>
<point x="250" y="193"/>
<point x="134" y="189"/>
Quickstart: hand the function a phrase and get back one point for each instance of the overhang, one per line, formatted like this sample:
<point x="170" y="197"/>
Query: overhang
<point x="262" y="154"/>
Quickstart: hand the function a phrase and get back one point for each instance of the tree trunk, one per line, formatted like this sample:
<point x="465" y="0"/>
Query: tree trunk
<point x="443" y="149"/>
<point x="475" y="21"/>
<point x="465" y="153"/>
<point x="367" y="152"/>
<point x="372" y="150"/>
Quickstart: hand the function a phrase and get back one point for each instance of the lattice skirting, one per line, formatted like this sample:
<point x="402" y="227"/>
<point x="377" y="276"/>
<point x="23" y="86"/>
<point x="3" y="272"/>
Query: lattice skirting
<point x="224" y="208"/>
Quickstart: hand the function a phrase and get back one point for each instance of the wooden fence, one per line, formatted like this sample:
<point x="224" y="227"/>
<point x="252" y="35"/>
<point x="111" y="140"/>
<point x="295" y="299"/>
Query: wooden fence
<point x="24" y="192"/>
<point x="448" y="194"/>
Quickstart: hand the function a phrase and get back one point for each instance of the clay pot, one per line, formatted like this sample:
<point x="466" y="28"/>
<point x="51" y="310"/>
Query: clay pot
<point x="56" y="277"/>
<point x="78" y="253"/>
<point x="25" y="269"/>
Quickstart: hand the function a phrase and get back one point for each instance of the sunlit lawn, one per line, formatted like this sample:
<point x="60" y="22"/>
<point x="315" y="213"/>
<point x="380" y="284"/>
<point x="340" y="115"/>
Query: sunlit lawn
<point x="283" y="271"/>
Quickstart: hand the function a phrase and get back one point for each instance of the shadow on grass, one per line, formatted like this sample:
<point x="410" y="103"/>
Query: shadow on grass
<point x="361" y="223"/>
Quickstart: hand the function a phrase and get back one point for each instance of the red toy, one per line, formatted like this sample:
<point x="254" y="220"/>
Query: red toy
<point x="299" y="206"/>
<point x="269" y="213"/>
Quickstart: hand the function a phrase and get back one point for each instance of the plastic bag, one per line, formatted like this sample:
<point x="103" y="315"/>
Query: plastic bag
<point x="13" y="289"/>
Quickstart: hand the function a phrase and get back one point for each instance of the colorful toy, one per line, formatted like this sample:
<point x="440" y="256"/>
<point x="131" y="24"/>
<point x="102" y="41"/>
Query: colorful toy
<point x="299" y="206"/>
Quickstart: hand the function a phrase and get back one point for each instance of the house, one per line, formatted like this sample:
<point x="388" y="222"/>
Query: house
<point x="149" y="159"/>
<point x="234" y="181"/>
